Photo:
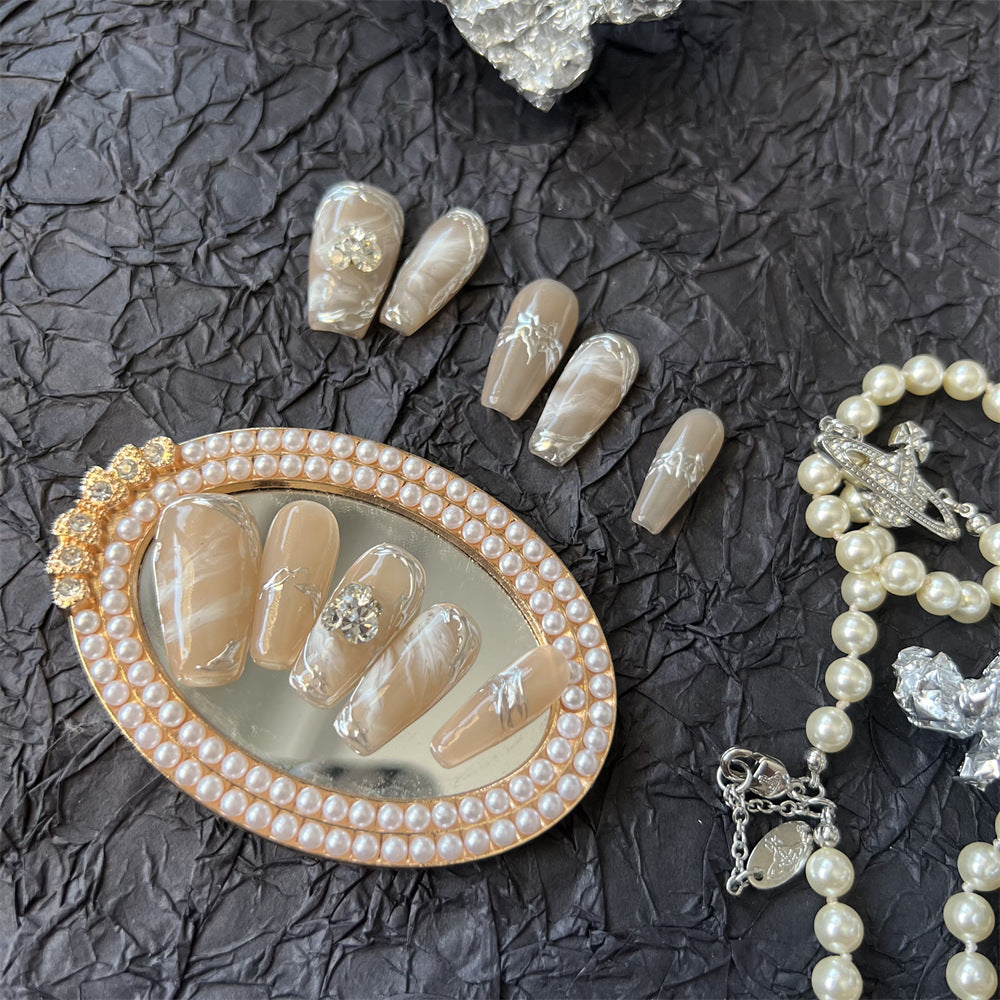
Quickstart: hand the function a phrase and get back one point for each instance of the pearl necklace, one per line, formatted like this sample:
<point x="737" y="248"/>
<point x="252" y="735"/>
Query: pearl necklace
<point x="884" y="488"/>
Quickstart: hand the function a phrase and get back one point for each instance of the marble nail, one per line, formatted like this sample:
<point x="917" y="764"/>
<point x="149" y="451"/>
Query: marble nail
<point x="592" y="385"/>
<point x="330" y="662"/>
<point x="513" y="699"/>
<point x="530" y="345"/>
<point x="417" y="669"/>
<point x="300" y="553"/>
<point x="205" y="564"/>
<point x="443" y="260"/>
<point x="355" y="242"/>
<point x="684" y="457"/>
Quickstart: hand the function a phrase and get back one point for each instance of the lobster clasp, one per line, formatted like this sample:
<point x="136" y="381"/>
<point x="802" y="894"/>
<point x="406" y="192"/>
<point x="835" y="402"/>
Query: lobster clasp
<point x="754" y="772"/>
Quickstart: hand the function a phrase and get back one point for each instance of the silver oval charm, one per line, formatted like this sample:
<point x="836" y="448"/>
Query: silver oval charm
<point x="780" y="855"/>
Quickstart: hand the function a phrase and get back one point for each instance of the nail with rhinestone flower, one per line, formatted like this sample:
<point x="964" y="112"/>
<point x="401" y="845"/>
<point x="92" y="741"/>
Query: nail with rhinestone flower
<point x="379" y="595"/>
<point x="684" y="457"/>
<point x="531" y="343"/>
<point x="355" y="243"/>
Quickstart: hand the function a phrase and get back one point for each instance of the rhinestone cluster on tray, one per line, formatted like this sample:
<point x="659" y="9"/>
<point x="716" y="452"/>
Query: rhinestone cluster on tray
<point x="249" y="793"/>
<point x="354" y="613"/>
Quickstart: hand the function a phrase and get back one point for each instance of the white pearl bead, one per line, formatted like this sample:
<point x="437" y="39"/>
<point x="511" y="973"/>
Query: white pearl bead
<point x="836" y="977"/>
<point x="829" y="729"/>
<point x="422" y="850"/>
<point x="848" y="679"/>
<point x="818" y="475"/>
<point x="971" y="976"/>
<point x="924" y="374"/>
<point x="854" y="632"/>
<point x="965" y="380"/>
<point x="838" y="928"/>
<point x="939" y="594"/>
<point x="884" y="384"/>
<point x="863" y="591"/>
<point x="858" y="509"/>
<point x="991" y="582"/>
<point x="979" y="865"/>
<point x="884" y="536"/>
<point x="827" y="516"/>
<point x="969" y="917"/>
<point x="902" y="573"/>
<point x="829" y="872"/>
<point x="989" y="544"/>
<point x="860" y="412"/>
<point x="973" y="605"/>
<point x="991" y="403"/>
<point x="858" y="552"/>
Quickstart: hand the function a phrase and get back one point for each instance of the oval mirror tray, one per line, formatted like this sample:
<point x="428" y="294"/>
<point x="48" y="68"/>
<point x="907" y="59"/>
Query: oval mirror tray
<point x="255" y="752"/>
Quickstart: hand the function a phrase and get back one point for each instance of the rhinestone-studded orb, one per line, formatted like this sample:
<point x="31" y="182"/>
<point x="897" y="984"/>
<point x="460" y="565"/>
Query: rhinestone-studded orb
<point x="354" y="613"/>
<point x="356" y="247"/>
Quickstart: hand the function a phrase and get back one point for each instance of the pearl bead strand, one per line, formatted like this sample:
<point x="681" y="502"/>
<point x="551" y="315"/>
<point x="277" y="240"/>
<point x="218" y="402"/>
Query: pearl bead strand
<point x="873" y="569"/>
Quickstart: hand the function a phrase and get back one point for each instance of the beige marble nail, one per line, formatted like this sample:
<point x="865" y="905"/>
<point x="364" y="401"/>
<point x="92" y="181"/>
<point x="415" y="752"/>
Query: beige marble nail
<point x="355" y="242"/>
<point x="684" y="457"/>
<point x="444" y="260"/>
<point x="417" y="669"/>
<point x="510" y="701"/>
<point x="592" y="385"/>
<point x="331" y="661"/>
<point x="205" y="563"/>
<point x="530" y="345"/>
<point x="296" y="568"/>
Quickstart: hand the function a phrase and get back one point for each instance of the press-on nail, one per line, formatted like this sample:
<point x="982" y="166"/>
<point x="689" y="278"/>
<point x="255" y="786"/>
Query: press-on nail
<point x="377" y="596"/>
<point x="444" y="260"/>
<point x="531" y="343"/>
<point x="509" y="702"/>
<point x="300" y="553"/>
<point x="684" y="457"/>
<point x="205" y="564"/>
<point x="355" y="243"/>
<point x="593" y="383"/>
<point x="417" y="669"/>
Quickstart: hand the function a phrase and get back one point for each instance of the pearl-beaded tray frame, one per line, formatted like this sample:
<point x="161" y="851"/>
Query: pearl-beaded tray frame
<point x="95" y="569"/>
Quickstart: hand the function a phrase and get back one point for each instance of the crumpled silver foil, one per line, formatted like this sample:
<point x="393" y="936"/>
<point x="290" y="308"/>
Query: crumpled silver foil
<point x="541" y="48"/>
<point x="934" y="695"/>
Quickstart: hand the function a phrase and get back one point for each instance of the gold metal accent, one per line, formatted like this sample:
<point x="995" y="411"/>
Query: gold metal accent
<point x="131" y="467"/>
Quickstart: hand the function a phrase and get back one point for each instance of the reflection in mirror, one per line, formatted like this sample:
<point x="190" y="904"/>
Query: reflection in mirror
<point x="262" y="713"/>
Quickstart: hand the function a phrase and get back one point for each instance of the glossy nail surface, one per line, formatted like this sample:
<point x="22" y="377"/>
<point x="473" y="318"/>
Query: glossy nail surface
<point x="531" y="343"/>
<point x="509" y="702"/>
<point x="355" y="242"/>
<point x="332" y="659"/>
<point x="418" y="668"/>
<point x="205" y="563"/>
<point x="444" y="260"/>
<point x="590" y="388"/>
<point x="300" y="553"/>
<point x="684" y="457"/>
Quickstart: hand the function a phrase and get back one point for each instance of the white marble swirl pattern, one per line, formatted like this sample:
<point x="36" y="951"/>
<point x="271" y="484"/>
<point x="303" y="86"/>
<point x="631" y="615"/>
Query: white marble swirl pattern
<point x="417" y="669"/>
<point x="205" y="565"/>
<point x="592" y="385"/>
<point x="443" y="260"/>
<point x="345" y="299"/>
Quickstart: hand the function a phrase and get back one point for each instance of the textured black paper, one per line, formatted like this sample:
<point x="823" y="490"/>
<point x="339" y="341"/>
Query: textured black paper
<point x="766" y="198"/>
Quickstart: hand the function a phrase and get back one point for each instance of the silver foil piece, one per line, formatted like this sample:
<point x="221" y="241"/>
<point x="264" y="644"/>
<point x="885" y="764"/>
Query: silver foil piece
<point x="542" y="49"/>
<point x="934" y="695"/>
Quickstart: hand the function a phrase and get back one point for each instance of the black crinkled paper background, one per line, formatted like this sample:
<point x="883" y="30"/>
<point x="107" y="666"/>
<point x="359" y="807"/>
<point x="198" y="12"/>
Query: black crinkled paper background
<point x="767" y="198"/>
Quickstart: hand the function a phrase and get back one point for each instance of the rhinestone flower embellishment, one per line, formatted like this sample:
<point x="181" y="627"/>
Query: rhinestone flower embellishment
<point x="356" y="247"/>
<point x="353" y="612"/>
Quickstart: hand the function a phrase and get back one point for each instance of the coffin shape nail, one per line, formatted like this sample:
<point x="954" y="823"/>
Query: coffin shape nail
<point x="355" y="242"/>
<point x="684" y="457"/>
<point x="300" y="553"/>
<point x="444" y="260"/>
<point x="205" y="564"/>
<point x="378" y="595"/>
<point x="418" y="668"/>
<point x="530" y="345"/>
<point x="513" y="699"/>
<point x="592" y="385"/>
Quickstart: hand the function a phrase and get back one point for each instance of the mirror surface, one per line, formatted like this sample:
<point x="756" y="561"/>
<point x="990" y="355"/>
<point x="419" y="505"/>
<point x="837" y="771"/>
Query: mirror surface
<point x="262" y="714"/>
